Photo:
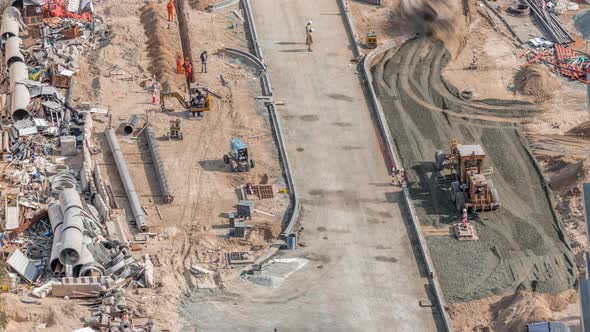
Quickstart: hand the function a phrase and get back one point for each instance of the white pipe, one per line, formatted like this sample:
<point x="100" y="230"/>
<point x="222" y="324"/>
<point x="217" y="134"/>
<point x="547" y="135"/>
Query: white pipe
<point x="19" y="101"/>
<point x="9" y="22"/>
<point x="12" y="52"/>
<point x="18" y="73"/>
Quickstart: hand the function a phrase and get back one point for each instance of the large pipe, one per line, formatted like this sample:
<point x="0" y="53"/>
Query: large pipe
<point x="85" y="256"/>
<point x="19" y="101"/>
<point x="136" y="209"/>
<point x="73" y="229"/>
<point x="131" y="125"/>
<point x="18" y="73"/>
<point x="56" y="219"/>
<point x="167" y="191"/>
<point x="10" y="24"/>
<point x="12" y="52"/>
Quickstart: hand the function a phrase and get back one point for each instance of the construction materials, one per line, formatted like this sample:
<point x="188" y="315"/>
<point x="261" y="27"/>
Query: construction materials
<point x="471" y="190"/>
<point x="167" y="192"/>
<point x="263" y="191"/>
<point x="238" y="157"/>
<point x="130" y="126"/>
<point x="70" y="248"/>
<point x="23" y="265"/>
<point x="138" y="215"/>
<point x="548" y="22"/>
<point x="175" y="131"/>
<point x="245" y="209"/>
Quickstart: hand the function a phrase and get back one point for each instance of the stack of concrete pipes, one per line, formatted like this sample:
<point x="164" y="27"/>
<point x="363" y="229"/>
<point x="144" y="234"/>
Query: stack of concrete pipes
<point x="15" y="62"/>
<point x="70" y="243"/>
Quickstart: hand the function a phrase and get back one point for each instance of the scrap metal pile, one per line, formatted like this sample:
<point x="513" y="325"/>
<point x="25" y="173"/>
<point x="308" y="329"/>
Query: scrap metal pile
<point x="55" y="237"/>
<point x="548" y="22"/>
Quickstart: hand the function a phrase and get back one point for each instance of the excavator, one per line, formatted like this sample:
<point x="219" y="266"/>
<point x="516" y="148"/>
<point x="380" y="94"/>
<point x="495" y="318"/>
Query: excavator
<point x="469" y="189"/>
<point x="200" y="100"/>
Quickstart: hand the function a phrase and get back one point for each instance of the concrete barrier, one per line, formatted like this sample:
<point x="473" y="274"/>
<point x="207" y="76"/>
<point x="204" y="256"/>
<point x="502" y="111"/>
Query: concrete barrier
<point x="221" y="5"/>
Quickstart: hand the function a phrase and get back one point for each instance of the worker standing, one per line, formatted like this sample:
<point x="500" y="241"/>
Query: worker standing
<point x="204" y="58"/>
<point x="178" y="62"/>
<point x="188" y="69"/>
<point x="309" y="35"/>
<point x="170" y="7"/>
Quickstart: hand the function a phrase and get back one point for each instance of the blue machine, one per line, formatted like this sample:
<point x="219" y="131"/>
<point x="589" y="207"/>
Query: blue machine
<point x="237" y="157"/>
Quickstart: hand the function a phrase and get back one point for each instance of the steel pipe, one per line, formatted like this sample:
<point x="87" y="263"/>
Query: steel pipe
<point x="19" y="101"/>
<point x="131" y="125"/>
<point x="10" y="24"/>
<point x="167" y="192"/>
<point x="138" y="214"/>
<point x="12" y="51"/>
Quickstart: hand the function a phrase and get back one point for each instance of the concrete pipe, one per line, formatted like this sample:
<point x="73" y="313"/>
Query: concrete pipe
<point x="85" y="257"/>
<point x="136" y="209"/>
<point x="56" y="219"/>
<point x="130" y="126"/>
<point x="71" y="246"/>
<point x="92" y="270"/>
<point x="5" y="141"/>
<point x="19" y="101"/>
<point x="69" y="198"/>
<point x="12" y="52"/>
<point x="18" y="73"/>
<point x="167" y="192"/>
<point x="10" y="24"/>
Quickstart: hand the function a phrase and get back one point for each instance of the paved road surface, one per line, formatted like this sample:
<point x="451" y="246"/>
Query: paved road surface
<point x="363" y="275"/>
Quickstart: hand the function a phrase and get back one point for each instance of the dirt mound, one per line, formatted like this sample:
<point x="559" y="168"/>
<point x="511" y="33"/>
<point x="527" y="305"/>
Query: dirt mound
<point x="161" y="45"/>
<point x="202" y="4"/>
<point x="583" y="129"/>
<point x="566" y="178"/>
<point x="535" y="81"/>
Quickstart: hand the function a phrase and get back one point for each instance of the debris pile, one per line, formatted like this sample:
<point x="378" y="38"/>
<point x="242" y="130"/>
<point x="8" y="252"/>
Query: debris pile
<point x="566" y="62"/>
<point x="535" y="81"/>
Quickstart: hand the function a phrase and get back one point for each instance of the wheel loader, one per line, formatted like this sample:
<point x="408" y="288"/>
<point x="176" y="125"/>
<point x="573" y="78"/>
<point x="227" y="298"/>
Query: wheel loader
<point x="469" y="187"/>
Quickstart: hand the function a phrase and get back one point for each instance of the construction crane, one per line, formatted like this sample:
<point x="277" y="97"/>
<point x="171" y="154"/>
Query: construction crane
<point x="238" y="157"/>
<point x="469" y="187"/>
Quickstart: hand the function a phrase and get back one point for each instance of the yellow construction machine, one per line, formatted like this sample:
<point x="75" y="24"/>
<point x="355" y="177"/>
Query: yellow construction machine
<point x="469" y="187"/>
<point x="200" y="100"/>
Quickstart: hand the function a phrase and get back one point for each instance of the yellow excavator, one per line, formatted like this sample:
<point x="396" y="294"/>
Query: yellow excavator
<point x="200" y="100"/>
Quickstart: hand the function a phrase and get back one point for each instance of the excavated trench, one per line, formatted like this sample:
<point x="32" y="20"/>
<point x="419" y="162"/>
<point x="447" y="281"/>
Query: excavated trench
<point x="522" y="244"/>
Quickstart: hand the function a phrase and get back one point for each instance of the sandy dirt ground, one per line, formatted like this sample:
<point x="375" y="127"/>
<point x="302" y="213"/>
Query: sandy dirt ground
<point x="557" y="137"/>
<point x="193" y="229"/>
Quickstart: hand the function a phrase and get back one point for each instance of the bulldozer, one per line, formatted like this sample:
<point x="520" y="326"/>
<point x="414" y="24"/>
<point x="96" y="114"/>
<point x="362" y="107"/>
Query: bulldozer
<point x="469" y="187"/>
<point x="200" y="100"/>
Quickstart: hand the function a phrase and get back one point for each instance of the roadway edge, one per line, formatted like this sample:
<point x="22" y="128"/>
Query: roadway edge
<point x="367" y="63"/>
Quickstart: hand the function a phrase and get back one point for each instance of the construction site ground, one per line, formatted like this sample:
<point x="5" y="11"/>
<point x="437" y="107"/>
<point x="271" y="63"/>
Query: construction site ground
<point x="193" y="229"/>
<point x="522" y="269"/>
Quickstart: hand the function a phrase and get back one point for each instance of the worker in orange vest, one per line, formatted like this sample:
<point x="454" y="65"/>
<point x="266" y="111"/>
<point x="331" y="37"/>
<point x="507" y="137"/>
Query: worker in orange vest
<point x="188" y="69"/>
<point x="178" y="63"/>
<point x="170" y="7"/>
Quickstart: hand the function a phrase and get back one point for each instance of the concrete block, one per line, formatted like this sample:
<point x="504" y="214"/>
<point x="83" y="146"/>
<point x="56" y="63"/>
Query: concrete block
<point x="68" y="145"/>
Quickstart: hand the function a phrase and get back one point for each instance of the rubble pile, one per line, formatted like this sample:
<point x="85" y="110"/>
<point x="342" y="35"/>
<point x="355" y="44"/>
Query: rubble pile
<point x="56" y="206"/>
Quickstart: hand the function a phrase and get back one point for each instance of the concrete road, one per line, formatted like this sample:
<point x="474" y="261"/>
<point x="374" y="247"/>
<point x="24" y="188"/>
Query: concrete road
<point x="363" y="274"/>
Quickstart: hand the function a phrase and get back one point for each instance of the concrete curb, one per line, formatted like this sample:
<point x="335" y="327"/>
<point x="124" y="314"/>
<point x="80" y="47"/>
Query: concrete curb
<point x="248" y="56"/>
<point x="369" y="60"/>
<point x="350" y="27"/>
<point x="276" y="123"/>
<point x="219" y="6"/>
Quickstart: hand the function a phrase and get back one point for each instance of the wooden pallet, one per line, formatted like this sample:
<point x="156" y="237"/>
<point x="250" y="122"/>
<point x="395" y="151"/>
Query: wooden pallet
<point x="263" y="191"/>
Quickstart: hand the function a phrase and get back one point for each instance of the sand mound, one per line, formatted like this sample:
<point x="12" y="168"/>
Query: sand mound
<point x="535" y="81"/>
<point x="583" y="129"/>
<point x="566" y="178"/>
<point x="161" y="44"/>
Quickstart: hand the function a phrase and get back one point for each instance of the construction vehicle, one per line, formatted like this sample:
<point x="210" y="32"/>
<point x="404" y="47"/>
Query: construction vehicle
<point x="238" y="157"/>
<point x="469" y="187"/>
<point x="200" y="100"/>
<point x="175" y="131"/>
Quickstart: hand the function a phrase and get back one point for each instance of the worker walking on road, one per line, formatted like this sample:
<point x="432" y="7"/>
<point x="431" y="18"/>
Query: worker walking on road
<point x="309" y="35"/>
<point x="178" y="63"/>
<point x="204" y="58"/>
<point x="170" y="7"/>
<point x="188" y="69"/>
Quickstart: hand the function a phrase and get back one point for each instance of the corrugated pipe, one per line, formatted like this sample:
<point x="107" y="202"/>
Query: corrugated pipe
<point x="19" y="101"/>
<point x="167" y="193"/>
<point x="138" y="214"/>
<point x="10" y="24"/>
<point x="18" y="73"/>
<point x="12" y="52"/>
<point x="71" y="243"/>
<point x="130" y="126"/>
